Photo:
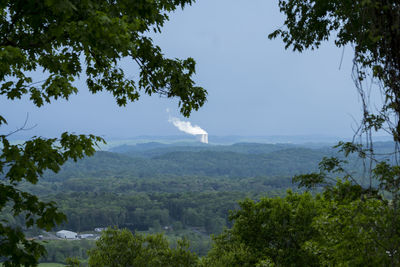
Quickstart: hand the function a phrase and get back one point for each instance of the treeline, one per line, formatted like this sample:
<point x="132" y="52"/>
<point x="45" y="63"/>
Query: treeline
<point x="145" y="211"/>
<point x="235" y="161"/>
<point x="342" y="226"/>
<point x="153" y="149"/>
<point x="285" y="162"/>
<point x="60" y="250"/>
<point x="192" y="215"/>
<point x="162" y="184"/>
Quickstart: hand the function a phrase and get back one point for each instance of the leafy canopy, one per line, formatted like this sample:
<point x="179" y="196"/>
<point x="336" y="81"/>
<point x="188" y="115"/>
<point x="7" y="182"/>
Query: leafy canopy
<point x="372" y="27"/>
<point x="358" y="223"/>
<point x="350" y="224"/>
<point x="270" y="232"/>
<point x="66" y="40"/>
<point x="122" y="248"/>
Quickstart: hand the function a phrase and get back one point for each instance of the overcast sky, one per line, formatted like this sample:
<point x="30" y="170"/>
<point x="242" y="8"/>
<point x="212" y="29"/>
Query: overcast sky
<point x="255" y="86"/>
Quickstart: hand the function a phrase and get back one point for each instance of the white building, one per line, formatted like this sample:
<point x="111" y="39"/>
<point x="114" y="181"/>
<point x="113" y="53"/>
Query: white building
<point x="66" y="234"/>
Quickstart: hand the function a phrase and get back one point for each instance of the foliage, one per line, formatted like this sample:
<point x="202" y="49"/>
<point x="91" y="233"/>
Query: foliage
<point x="191" y="206"/>
<point x="285" y="162"/>
<point x="73" y="262"/>
<point x="122" y="248"/>
<point x="345" y="226"/>
<point x="61" y="250"/>
<point x="358" y="222"/>
<point x="153" y="149"/>
<point x="66" y="40"/>
<point x="372" y="27"/>
<point x="141" y="211"/>
<point x="28" y="161"/>
<point x="55" y="35"/>
<point x="355" y="231"/>
<point x="272" y="230"/>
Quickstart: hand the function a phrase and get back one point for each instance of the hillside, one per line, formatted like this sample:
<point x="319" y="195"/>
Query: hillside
<point x="189" y="188"/>
<point x="236" y="161"/>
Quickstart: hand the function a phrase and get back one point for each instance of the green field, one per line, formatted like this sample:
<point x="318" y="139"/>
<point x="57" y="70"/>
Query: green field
<point x="49" y="264"/>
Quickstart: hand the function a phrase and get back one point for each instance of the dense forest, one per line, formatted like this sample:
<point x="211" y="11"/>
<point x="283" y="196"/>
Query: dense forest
<point x="185" y="191"/>
<point x="230" y="161"/>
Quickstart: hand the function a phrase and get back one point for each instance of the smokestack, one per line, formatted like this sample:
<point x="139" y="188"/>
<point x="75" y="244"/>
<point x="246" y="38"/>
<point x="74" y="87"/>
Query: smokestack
<point x="186" y="126"/>
<point x="204" y="138"/>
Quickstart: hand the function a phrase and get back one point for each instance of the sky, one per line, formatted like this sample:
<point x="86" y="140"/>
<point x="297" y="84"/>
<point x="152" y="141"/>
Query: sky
<point x="255" y="87"/>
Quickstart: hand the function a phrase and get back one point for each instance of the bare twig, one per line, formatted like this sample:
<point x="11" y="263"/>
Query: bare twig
<point x="22" y="128"/>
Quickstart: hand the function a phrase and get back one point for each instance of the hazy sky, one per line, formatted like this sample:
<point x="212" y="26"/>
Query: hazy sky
<point x="255" y="86"/>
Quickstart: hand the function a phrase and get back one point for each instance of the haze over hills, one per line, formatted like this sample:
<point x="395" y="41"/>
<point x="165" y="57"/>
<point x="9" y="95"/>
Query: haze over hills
<point x="310" y="141"/>
<point x="154" y="148"/>
<point x="237" y="160"/>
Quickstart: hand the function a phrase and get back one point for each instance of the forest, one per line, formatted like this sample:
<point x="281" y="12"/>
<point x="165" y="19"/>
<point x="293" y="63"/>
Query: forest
<point x="188" y="189"/>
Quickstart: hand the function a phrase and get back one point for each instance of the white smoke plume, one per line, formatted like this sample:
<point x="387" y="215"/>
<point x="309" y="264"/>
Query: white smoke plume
<point x="187" y="127"/>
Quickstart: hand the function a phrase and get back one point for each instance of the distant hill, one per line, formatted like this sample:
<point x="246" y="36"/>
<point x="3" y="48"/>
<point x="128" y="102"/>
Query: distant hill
<point x="232" y="164"/>
<point x="155" y="149"/>
<point x="240" y="160"/>
<point x="235" y="161"/>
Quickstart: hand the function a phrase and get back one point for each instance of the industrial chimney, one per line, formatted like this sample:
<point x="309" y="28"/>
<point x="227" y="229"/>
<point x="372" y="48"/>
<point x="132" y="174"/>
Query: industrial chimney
<point x="186" y="126"/>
